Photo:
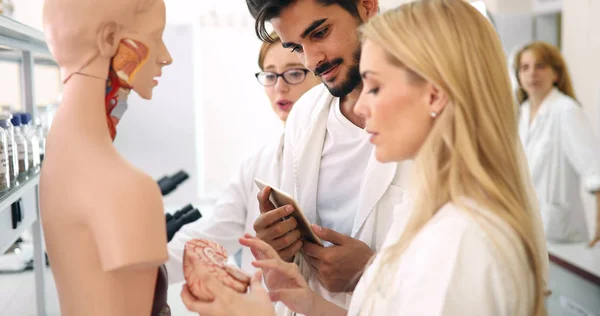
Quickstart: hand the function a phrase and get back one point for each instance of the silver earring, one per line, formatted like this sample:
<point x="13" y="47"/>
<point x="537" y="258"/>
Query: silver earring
<point x="434" y="114"/>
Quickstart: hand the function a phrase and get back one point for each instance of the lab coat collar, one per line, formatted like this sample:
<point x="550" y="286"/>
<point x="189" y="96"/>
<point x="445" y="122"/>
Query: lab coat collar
<point x="307" y="157"/>
<point x="546" y="105"/>
<point x="307" y="163"/>
<point x="376" y="181"/>
<point x="526" y="128"/>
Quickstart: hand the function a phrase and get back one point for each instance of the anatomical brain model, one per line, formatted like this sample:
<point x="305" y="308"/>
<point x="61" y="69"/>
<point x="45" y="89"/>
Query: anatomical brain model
<point x="209" y="256"/>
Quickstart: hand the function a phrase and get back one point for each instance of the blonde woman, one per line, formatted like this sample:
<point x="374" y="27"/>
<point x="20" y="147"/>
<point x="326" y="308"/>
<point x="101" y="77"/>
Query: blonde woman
<point x="560" y="144"/>
<point x="436" y="90"/>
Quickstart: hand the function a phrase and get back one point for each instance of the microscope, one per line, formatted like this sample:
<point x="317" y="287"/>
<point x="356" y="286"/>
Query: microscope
<point x="185" y="215"/>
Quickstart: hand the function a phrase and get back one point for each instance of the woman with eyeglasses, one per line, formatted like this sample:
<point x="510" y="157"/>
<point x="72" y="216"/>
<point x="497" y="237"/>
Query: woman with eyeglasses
<point x="285" y="80"/>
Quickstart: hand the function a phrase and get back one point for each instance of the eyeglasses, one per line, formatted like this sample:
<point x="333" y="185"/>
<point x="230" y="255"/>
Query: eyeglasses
<point x="290" y="76"/>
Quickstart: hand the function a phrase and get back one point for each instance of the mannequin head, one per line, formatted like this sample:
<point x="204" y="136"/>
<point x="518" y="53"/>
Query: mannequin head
<point x="83" y="36"/>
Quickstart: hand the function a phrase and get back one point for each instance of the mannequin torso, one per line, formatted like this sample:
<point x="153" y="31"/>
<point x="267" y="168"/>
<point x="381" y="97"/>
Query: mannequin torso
<point x="103" y="219"/>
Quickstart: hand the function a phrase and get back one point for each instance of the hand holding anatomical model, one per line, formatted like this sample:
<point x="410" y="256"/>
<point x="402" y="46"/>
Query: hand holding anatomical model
<point x="201" y="256"/>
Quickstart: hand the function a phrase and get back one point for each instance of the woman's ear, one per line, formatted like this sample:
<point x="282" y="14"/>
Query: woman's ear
<point x="437" y="99"/>
<point x="109" y="37"/>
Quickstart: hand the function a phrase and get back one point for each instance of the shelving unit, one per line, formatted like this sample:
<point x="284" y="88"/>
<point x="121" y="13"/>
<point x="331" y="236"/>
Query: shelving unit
<point x="24" y="43"/>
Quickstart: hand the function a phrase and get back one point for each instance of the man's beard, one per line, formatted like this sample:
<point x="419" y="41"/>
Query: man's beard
<point x="352" y="79"/>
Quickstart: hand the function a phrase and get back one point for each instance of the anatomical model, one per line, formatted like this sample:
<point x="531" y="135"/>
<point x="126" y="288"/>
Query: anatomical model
<point x="103" y="219"/>
<point x="200" y="256"/>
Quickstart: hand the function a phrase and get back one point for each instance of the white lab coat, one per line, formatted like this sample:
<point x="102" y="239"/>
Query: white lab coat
<point x="562" y="152"/>
<point x="381" y="188"/>
<point x="456" y="265"/>
<point x="234" y="212"/>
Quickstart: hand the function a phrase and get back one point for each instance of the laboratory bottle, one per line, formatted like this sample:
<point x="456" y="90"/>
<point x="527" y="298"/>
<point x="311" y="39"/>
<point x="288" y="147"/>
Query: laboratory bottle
<point x="22" y="153"/>
<point x="32" y="142"/>
<point x="11" y="146"/>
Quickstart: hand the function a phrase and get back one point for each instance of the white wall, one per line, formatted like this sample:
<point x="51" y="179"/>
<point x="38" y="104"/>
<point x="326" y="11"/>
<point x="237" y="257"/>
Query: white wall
<point x="10" y="81"/>
<point x="581" y="48"/>
<point x="158" y="135"/>
<point x="235" y="117"/>
<point x="29" y="12"/>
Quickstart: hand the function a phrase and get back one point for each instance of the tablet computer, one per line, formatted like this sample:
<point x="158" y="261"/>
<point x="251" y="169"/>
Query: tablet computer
<point x="279" y="199"/>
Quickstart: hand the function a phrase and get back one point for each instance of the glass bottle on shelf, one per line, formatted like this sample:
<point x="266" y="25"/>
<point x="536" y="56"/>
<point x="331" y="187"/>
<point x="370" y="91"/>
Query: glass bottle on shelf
<point x="39" y="132"/>
<point x="22" y="152"/>
<point x="11" y="146"/>
<point x="33" y="144"/>
<point x="4" y="167"/>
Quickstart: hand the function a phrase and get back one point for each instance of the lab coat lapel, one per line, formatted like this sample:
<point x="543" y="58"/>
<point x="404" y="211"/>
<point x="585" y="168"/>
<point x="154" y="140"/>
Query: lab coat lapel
<point x="542" y="113"/>
<point x="307" y="158"/>
<point x="376" y="181"/>
<point x="537" y="131"/>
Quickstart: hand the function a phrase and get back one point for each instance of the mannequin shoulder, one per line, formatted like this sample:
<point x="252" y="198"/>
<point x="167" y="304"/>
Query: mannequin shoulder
<point x="137" y="186"/>
<point x="124" y="187"/>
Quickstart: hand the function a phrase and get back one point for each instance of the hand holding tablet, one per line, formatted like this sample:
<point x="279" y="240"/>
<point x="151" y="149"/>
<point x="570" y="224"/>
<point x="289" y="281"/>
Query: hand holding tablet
<point x="279" y="199"/>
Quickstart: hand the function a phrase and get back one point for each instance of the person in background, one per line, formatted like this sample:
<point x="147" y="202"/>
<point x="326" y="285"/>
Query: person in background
<point x="559" y="142"/>
<point x="285" y="80"/>
<point x="435" y="90"/>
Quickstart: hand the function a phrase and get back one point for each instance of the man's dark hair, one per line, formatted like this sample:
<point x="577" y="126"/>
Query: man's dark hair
<point x="264" y="10"/>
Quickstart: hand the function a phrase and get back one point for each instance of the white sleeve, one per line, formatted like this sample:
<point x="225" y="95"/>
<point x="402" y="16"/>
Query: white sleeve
<point x="581" y="146"/>
<point x="453" y="275"/>
<point x="225" y="226"/>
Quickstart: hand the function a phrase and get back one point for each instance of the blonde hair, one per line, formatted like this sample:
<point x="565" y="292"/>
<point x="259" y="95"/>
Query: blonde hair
<point x="264" y="48"/>
<point x="550" y="56"/>
<point x="473" y="150"/>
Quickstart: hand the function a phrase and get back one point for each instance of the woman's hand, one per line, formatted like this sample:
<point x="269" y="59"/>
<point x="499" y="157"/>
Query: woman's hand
<point x="228" y="302"/>
<point x="284" y="280"/>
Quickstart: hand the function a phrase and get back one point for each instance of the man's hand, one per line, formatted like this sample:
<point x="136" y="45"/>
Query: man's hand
<point x="271" y="227"/>
<point x="340" y="266"/>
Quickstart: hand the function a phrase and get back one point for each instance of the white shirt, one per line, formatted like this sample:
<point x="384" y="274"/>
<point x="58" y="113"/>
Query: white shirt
<point x="234" y="212"/>
<point x="562" y="152"/>
<point x="456" y="265"/>
<point x="346" y="152"/>
<point x="381" y="189"/>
